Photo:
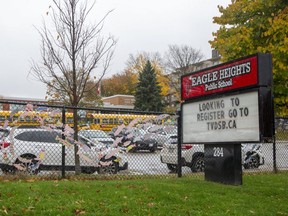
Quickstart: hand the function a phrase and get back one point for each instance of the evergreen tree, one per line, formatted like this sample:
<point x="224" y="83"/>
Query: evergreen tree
<point x="147" y="96"/>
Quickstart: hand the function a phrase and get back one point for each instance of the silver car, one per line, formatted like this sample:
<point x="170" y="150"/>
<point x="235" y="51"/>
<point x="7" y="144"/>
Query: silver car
<point x="162" y="134"/>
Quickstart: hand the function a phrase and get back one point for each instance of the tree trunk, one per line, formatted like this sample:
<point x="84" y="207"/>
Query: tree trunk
<point x="77" y="159"/>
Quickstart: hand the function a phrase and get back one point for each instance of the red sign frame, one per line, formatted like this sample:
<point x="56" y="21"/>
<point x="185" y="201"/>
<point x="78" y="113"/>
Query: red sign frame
<point x="221" y="78"/>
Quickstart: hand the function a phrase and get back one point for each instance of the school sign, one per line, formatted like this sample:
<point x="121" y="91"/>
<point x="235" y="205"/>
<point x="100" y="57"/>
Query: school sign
<point x="224" y="106"/>
<point x="231" y="102"/>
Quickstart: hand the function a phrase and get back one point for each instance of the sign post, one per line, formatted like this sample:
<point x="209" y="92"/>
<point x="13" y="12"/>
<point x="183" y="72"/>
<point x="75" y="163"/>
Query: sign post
<point x="223" y="163"/>
<point x="227" y="105"/>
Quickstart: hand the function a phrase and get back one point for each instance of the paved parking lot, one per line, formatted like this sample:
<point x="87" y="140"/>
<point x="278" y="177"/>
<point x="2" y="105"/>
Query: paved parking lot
<point x="145" y="162"/>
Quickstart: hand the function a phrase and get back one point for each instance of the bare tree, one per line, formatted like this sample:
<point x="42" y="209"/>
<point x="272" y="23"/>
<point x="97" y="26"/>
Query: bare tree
<point x="177" y="61"/>
<point x="179" y="58"/>
<point x="71" y="50"/>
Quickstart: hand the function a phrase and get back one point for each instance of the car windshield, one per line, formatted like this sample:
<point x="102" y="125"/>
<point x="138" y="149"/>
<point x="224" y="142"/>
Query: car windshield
<point x="37" y="136"/>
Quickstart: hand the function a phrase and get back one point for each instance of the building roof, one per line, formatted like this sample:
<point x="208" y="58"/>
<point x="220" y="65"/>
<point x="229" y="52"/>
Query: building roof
<point x="118" y="95"/>
<point x="20" y="99"/>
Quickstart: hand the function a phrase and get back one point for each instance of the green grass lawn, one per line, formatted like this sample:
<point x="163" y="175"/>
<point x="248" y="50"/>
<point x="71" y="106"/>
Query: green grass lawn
<point x="260" y="194"/>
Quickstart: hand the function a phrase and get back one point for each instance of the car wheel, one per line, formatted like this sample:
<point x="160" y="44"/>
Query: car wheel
<point x="112" y="168"/>
<point x="172" y="167"/>
<point x="198" y="164"/>
<point x="251" y="162"/>
<point x="8" y="170"/>
<point x="28" y="165"/>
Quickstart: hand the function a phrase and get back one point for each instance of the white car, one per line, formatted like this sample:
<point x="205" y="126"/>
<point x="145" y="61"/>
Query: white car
<point x="32" y="150"/>
<point x="97" y="135"/>
<point x="192" y="155"/>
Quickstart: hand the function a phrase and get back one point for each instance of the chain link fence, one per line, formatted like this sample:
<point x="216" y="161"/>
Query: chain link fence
<point x="42" y="140"/>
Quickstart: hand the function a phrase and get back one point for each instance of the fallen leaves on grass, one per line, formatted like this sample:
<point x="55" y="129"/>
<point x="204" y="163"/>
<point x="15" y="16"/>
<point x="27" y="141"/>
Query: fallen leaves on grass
<point x="79" y="211"/>
<point x="150" y="205"/>
<point x="4" y="209"/>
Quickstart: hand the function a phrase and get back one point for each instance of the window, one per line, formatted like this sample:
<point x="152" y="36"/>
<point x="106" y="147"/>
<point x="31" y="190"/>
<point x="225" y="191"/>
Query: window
<point x="35" y="119"/>
<point x="38" y="136"/>
<point x="21" y="119"/>
<point x="27" y="118"/>
<point x="69" y="120"/>
<point x="3" y="133"/>
<point x="97" y="121"/>
<point x="85" y="141"/>
<point x="116" y="121"/>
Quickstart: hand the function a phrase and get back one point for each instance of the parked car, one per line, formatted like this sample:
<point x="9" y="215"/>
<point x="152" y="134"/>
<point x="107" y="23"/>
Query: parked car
<point x="97" y="135"/>
<point x="141" y="140"/>
<point x="193" y="155"/>
<point x="162" y="133"/>
<point x="32" y="150"/>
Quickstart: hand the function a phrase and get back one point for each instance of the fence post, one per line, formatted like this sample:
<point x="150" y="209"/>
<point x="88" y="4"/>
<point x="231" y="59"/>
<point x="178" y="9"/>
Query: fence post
<point x="179" y="155"/>
<point x="274" y="154"/>
<point x="63" y="137"/>
<point x="274" y="146"/>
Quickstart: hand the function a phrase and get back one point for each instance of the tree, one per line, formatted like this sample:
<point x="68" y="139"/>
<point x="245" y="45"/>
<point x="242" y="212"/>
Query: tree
<point x="120" y="83"/>
<point x="247" y="27"/>
<point x="136" y="64"/>
<point x="178" y="60"/>
<point x="91" y="96"/>
<point x="147" y="96"/>
<point x="71" y="51"/>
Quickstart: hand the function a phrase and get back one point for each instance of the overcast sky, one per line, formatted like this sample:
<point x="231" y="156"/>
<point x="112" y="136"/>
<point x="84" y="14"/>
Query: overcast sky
<point x="139" y="25"/>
